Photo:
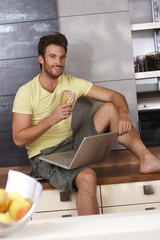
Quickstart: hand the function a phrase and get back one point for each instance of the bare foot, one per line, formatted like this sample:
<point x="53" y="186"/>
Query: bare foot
<point x="150" y="164"/>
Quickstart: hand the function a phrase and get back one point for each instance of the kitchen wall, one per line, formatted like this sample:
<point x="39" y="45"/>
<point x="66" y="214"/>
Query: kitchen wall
<point x="21" y="25"/>
<point x="100" y="45"/>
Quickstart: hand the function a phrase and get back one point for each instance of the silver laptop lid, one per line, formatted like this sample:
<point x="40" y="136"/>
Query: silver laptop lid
<point x="94" y="149"/>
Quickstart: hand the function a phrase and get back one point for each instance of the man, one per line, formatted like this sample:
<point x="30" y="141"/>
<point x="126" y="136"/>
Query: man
<point x="40" y="122"/>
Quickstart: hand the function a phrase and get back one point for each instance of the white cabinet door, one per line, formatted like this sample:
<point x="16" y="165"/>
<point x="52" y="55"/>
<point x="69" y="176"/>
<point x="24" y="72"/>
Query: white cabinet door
<point x="130" y="193"/>
<point x="52" y="201"/>
<point x="132" y="208"/>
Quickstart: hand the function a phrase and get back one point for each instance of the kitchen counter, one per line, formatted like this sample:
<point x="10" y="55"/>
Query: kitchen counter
<point x="126" y="226"/>
<point x="121" y="167"/>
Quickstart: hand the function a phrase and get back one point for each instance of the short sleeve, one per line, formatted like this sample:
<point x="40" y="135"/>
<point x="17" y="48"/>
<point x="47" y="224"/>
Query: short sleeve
<point x="22" y="102"/>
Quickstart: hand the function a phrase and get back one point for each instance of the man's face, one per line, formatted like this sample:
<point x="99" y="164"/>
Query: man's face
<point x="53" y="62"/>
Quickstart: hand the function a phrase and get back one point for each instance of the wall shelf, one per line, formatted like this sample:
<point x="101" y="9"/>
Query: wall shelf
<point x="145" y="26"/>
<point x="150" y="74"/>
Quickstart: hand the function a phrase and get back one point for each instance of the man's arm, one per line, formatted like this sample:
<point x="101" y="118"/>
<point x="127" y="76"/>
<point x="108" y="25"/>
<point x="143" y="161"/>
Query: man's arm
<point x="24" y="133"/>
<point x="108" y="95"/>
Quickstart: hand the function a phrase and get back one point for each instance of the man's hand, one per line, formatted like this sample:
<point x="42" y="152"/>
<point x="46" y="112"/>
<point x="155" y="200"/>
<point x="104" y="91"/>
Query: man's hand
<point x="124" y="124"/>
<point x="63" y="111"/>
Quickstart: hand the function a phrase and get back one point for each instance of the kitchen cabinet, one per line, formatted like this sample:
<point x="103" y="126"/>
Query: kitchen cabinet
<point x="53" y="214"/>
<point x="131" y="208"/>
<point x="130" y="196"/>
<point x="112" y="198"/>
<point x="53" y="204"/>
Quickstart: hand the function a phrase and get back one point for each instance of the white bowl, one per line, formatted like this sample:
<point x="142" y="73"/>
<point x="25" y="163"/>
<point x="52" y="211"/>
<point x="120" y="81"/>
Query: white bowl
<point x="28" y="187"/>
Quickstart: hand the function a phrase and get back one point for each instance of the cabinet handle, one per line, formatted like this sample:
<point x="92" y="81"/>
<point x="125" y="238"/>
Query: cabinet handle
<point x="150" y="208"/>
<point x="158" y="83"/>
<point x="64" y="196"/>
<point x="67" y="215"/>
<point x="148" y="189"/>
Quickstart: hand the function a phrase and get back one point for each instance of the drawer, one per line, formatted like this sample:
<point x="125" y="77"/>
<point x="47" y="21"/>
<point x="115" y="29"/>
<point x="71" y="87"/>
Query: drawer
<point x="54" y="200"/>
<point x="131" y="208"/>
<point x="45" y="215"/>
<point x="66" y="213"/>
<point x="130" y="193"/>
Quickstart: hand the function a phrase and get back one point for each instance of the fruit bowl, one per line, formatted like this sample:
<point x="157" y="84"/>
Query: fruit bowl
<point x="27" y="187"/>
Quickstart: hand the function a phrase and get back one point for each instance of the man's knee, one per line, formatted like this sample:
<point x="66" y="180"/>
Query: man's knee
<point x="107" y="108"/>
<point x="86" y="177"/>
<point x="104" y="116"/>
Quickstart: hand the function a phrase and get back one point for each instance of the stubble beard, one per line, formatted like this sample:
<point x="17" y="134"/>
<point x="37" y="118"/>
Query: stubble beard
<point x="49" y="72"/>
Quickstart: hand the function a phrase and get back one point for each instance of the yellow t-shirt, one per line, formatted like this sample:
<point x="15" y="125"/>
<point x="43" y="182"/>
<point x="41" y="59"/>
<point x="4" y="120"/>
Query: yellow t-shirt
<point x="32" y="98"/>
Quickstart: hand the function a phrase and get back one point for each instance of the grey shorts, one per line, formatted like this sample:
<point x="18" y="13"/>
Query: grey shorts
<point x="59" y="177"/>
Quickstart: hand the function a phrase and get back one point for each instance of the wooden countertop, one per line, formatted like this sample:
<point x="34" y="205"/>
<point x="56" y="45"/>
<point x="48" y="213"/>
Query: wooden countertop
<point x="121" y="167"/>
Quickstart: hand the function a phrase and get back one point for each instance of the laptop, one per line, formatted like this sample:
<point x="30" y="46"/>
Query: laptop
<point x="92" y="149"/>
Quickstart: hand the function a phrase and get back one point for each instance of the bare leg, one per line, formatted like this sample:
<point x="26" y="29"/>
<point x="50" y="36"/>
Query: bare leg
<point x="86" y="198"/>
<point x="148" y="162"/>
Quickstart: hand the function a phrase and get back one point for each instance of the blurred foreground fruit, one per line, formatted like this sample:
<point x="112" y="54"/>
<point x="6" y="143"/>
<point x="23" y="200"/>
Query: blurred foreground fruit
<point x="15" y="196"/>
<point x="13" y="206"/>
<point x="18" y="208"/>
<point x="4" y="218"/>
<point x="4" y="200"/>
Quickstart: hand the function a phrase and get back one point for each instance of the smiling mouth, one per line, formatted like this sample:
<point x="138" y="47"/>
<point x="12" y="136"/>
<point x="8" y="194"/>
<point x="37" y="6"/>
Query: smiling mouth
<point x="58" y="68"/>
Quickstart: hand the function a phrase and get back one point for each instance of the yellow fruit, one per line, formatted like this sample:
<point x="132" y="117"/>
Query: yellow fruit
<point x="18" y="208"/>
<point x="15" y="196"/>
<point x="4" y="200"/>
<point x="4" y="218"/>
<point x="13" y="206"/>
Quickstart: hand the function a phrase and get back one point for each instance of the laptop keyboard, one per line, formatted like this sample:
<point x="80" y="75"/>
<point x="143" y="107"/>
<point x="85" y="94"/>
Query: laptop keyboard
<point x="65" y="162"/>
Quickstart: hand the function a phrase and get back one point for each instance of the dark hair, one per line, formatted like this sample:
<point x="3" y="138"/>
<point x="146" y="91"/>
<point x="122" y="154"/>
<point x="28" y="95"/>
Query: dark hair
<point x="56" y="38"/>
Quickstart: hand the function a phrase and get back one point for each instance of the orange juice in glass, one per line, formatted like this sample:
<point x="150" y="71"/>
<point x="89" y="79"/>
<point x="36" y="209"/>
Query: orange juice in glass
<point x="67" y="96"/>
